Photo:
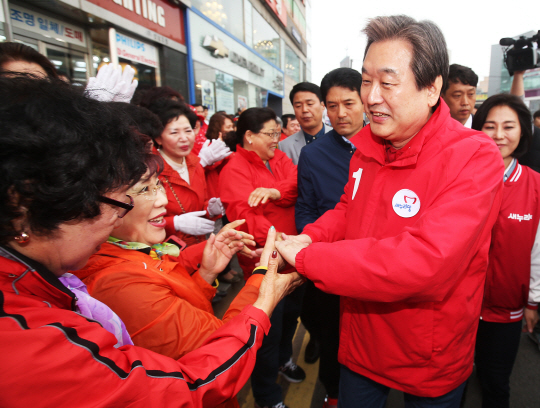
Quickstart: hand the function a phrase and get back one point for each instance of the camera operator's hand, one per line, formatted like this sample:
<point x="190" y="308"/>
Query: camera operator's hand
<point x="518" y="87"/>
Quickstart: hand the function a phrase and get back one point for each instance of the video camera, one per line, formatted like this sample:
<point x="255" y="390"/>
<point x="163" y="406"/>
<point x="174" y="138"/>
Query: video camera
<point x="521" y="54"/>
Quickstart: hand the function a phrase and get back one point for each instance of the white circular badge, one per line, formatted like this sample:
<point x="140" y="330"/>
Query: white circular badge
<point x="406" y="203"/>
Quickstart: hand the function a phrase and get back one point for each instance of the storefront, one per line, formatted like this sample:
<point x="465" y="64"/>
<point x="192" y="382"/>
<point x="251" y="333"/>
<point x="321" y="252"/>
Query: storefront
<point x="146" y="34"/>
<point x="227" y="74"/>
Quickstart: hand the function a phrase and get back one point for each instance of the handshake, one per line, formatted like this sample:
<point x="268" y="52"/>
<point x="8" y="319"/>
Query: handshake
<point x="288" y="246"/>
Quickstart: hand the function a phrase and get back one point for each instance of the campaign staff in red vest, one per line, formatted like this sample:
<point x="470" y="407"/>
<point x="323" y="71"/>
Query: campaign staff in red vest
<point x="513" y="279"/>
<point x="407" y="245"/>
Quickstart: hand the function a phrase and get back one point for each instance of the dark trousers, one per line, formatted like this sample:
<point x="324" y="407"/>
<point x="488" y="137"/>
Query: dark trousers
<point x="320" y="316"/>
<point x="355" y="390"/>
<point x="276" y="349"/>
<point x="496" y="350"/>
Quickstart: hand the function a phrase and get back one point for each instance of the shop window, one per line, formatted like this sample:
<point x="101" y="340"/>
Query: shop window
<point x="228" y="14"/>
<point x="69" y="63"/>
<point x="265" y="39"/>
<point x="145" y="74"/>
<point x="292" y="64"/>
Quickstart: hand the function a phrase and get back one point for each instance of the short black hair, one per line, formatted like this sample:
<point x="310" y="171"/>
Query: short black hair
<point x="516" y="104"/>
<point x="168" y="110"/>
<point x="343" y="77"/>
<point x="11" y="51"/>
<point x="60" y="152"/>
<point x="536" y="114"/>
<point x="286" y="118"/>
<point x="147" y="124"/>
<point x="196" y="105"/>
<point x="459" y="73"/>
<point x="252" y="119"/>
<point x="147" y="97"/>
<point x="305" y="87"/>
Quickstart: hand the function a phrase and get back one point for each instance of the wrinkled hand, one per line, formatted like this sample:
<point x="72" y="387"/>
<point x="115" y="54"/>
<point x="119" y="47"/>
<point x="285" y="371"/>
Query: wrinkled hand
<point x="290" y="246"/>
<point x="218" y="252"/>
<point x="126" y="86"/>
<point x="215" y="207"/>
<point x="213" y="151"/>
<point x="193" y="223"/>
<point x="531" y="318"/>
<point x="262" y="195"/>
<point x="247" y="239"/>
<point x="275" y="286"/>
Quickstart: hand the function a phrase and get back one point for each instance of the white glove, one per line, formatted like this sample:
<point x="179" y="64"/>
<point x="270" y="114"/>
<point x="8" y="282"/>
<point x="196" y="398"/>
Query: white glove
<point x="192" y="223"/>
<point x="126" y="87"/>
<point x="215" y="207"/>
<point x="213" y="151"/>
<point x="110" y="84"/>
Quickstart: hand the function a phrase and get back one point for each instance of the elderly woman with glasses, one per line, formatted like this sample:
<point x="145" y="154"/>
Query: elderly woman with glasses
<point x="259" y="185"/>
<point x="70" y="174"/>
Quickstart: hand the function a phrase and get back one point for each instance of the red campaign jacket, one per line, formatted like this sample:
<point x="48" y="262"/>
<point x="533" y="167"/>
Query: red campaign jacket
<point x="513" y="237"/>
<point x="411" y="284"/>
<point x="193" y="196"/>
<point x="246" y="172"/>
<point x="212" y="176"/>
<point x="53" y="356"/>
<point x="165" y="307"/>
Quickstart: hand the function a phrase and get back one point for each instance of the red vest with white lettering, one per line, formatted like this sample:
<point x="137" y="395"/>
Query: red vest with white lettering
<point x="509" y="271"/>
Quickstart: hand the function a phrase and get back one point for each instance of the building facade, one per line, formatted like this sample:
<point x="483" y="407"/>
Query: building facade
<point x="226" y="54"/>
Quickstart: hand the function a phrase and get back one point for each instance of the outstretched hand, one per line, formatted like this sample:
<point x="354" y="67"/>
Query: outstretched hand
<point x="247" y="239"/>
<point x="290" y="246"/>
<point x="274" y="286"/>
<point x="218" y="252"/>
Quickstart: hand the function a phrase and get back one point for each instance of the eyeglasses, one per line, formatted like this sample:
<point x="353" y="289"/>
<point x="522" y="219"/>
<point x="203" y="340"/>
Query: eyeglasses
<point x="150" y="193"/>
<point x="125" y="207"/>
<point x="275" y="135"/>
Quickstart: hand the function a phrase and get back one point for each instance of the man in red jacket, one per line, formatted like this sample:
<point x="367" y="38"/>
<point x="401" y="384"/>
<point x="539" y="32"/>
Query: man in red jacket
<point x="407" y="245"/>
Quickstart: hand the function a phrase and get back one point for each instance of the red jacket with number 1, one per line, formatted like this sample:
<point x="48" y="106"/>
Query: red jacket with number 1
<point x="411" y="281"/>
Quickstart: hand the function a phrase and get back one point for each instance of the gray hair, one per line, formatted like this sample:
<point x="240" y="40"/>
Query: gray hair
<point x="430" y="55"/>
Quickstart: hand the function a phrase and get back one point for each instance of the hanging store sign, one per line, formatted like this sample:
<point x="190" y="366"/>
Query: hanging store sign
<point x="156" y="15"/>
<point x="45" y="25"/>
<point x="136" y="51"/>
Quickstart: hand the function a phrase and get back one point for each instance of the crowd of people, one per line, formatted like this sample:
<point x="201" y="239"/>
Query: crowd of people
<point x="405" y="236"/>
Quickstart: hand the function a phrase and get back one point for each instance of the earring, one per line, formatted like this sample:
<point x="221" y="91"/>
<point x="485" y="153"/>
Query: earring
<point x="22" y="238"/>
<point x="250" y="142"/>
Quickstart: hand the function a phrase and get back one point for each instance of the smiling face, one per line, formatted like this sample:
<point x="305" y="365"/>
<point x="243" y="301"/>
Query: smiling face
<point x="460" y="98"/>
<point x="396" y="109"/>
<point x="308" y="110"/>
<point x="145" y="223"/>
<point x="262" y="143"/>
<point x="502" y="125"/>
<point x="292" y="127"/>
<point x="345" y="111"/>
<point x="177" y="139"/>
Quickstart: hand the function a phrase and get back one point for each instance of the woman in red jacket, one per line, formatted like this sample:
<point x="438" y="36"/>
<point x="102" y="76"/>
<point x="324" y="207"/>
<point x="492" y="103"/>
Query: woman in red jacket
<point x="512" y="289"/>
<point x="259" y="185"/>
<point x="190" y="210"/>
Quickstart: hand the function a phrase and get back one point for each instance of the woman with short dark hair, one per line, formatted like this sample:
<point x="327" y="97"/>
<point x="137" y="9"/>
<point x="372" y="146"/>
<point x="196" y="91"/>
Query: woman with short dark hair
<point x="66" y="165"/>
<point x="259" y="185"/>
<point x="17" y="58"/>
<point x="512" y="289"/>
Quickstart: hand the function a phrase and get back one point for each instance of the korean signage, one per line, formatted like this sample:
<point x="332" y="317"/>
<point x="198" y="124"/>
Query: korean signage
<point x="279" y="9"/>
<point x="159" y="16"/>
<point x="214" y="48"/>
<point x="47" y="26"/>
<point x="136" y="51"/>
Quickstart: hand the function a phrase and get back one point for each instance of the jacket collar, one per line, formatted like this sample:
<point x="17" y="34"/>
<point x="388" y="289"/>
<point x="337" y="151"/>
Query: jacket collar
<point x="373" y="146"/>
<point x="191" y="161"/>
<point x="251" y="156"/>
<point x="36" y="279"/>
